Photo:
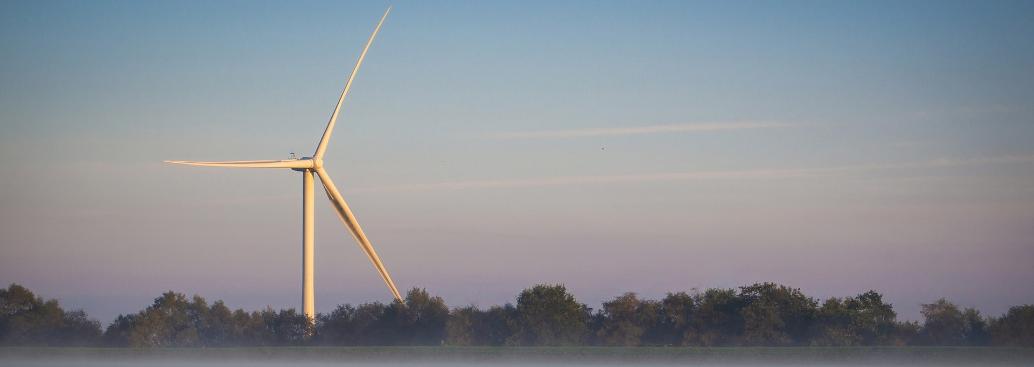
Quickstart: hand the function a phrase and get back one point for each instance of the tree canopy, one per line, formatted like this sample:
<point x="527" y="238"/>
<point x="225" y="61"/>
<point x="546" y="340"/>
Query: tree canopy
<point x="763" y="314"/>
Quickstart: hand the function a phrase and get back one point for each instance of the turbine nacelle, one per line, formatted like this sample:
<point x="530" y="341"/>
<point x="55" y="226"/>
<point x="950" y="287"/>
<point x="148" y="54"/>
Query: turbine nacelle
<point x="314" y="164"/>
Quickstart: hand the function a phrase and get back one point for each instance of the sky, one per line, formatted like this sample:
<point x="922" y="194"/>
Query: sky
<point x="832" y="146"/>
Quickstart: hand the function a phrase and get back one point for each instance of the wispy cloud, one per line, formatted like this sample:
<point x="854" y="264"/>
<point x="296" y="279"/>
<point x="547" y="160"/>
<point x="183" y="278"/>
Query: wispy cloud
<point x="637" y="130"/>
<point x="753" y="174"/>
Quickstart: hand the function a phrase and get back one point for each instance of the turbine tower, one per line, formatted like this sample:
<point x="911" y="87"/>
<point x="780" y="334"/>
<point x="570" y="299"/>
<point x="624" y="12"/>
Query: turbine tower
<point x="313" y="166"/>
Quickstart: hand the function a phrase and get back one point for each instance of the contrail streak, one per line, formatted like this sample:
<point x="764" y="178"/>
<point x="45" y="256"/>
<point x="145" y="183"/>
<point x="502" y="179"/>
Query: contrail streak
<point x="752" y="174"/>
<point x="640" y="130"/>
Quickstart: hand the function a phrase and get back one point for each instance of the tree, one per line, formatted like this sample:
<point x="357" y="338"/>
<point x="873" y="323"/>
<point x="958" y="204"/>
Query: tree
<point x="286" y="327"/>
<point x="624" y="320"/>
<point x="760" y="314"/>
<point x="78" y="329"/>
<point x="173" y="321"/>
<point x="1015" y="328"/>
<point x="498" y="325"/>
<point x="549" y="315"/>
<point x="975" y="331"/>
<point x="776" y="315"/>
<point x="250" y="328"/>
<point x="471" y="326"/>
<point x="874" y="320"/>
<point x="338" y="327"/>
<point x="836" y="325"/>
<point x="460" y="328"/>
<point x="718" y="319"/>
<point x="218" y="329"/>
<point x="368" y="326"/>
<point x="676" y="315"/>
<point x="26" y="319"/>
<point x="419" y="320"/>
<point x="117" y="333"/>
<point x="16" y="300"/>
<point x="944" y="324"/>
<point x="861" y="320"/>
<point x="166" y="323"/>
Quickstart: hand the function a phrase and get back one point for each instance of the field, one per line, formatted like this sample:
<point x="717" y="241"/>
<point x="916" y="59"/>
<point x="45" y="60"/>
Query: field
<point x="933" y="356"/>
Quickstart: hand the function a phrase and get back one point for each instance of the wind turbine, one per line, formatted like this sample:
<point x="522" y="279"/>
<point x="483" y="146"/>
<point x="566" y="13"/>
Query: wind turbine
<point x="310" y="166"/>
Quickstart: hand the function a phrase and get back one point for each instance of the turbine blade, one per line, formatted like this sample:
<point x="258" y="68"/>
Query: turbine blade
<point x="322" y="147"/>
<point x="346" y="216"/>
<point x="290" y="163"/>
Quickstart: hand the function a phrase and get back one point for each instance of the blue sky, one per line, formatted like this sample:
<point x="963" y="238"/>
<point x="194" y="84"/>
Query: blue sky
<point x="613" y="146"/>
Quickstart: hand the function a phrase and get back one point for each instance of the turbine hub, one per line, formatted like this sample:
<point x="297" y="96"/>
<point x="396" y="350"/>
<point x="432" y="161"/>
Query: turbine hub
<point x="307" y="164"/>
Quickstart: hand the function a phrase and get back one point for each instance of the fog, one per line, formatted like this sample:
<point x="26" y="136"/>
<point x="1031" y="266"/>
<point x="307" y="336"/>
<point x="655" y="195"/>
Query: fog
<point x="235" y="363"/>
<point x="514" y="357"/>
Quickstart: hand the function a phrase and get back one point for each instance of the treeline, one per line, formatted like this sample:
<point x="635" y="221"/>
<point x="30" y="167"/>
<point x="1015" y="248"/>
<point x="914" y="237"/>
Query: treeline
<point x="762" y="314"/>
